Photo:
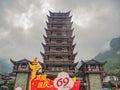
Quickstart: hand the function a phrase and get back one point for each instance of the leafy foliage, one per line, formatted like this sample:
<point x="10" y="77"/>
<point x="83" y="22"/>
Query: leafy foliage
<point x="112" y="58"/>
<point x="10" y="85"/>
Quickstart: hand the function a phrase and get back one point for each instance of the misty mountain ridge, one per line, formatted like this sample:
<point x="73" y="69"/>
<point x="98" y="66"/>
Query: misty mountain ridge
<point x="112" y="57"/>
<point x="5" y="67"/>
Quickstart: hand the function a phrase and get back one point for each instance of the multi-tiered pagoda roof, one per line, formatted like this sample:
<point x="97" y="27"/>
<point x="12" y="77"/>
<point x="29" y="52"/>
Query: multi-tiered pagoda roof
<point x="58" y="48"/>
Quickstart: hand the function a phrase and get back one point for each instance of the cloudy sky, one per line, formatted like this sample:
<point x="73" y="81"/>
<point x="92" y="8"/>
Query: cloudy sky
<point x="22" y="23"/>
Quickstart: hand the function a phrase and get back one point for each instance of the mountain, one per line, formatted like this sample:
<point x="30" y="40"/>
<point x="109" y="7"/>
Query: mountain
<point x="5" y="67"/>
<point x="112" y="57"/>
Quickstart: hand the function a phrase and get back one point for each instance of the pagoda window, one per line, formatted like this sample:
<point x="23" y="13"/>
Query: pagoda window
<point x="51" y="33"/>
<point x="66" y="68"/>
<point x="58" y="49"/>
<point x="59" y="41"/>
<point x="59" y="20"/>
<point x="61" y="69"/>
<point x="23" y="66"/>
<point x="58" y="57"/>
<point x="58" y="33"/>
<point x="59" y="26"/>
<point x="46" y="66"/>
<point x="53" y="69"/>
<point x="57" y="68"/>
<point x="93" y="66"/>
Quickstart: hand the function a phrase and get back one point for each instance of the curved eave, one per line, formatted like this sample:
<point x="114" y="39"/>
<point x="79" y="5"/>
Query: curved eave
<point x="47" y="23"/>
<point x="48" y="17"/>
<point x="63" y="17"/>
<point x="94" y="62"/>
<point x="75" y="54"/>
<point x="14" y="62"/>
<point x="74" y="45"/>
<point x="76" y="63"/>
<point x="73" y="37"/>
<point x="45" y="29"/>
<point x="103" y="63"/>
<point x="66" y="13"/>
<point x="44" y="37"/>
<point x="20" y="61"/>
<point x="72" y="30"/>
<point x="42" y="54"/>
<point x="41" y="63"/>
<point x="43" y="45"/>
<point x="70" y="17"/>
<point x="50" y="13"/>
<point x="71" y="23"/>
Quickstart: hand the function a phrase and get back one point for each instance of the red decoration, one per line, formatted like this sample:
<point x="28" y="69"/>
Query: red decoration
<point x="76" y="86"/>
<point x="47" y="84"/>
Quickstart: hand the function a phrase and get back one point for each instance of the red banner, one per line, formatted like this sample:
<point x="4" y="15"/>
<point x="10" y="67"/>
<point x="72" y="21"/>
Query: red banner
<point x="38" y="84"/>
<point x="76" y="86"/>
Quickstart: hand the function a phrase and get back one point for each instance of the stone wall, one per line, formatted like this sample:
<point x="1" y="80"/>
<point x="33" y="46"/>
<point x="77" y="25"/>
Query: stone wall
<point x="22" y="81"/>
<point x="95" y="81"/>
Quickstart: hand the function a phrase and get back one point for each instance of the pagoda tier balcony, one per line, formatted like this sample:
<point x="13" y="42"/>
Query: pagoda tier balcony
<point x="59" y="29"/>
<point x="55" y="36"/>
<point x="60" y="17"/>
<point x="62" y="51"/>
<point x="59" y="53"/>
<point x="53" y="74"/>
<point x="59" y="23"/>
<point x="50" y="25"/>
<point x="61" y="37"/>
<point x="65" y="42"/>
<point x="54" y="21"/>
<point x="72" y="55"/>
<point x="59" y="34"/>
<point x="58" y="62"/>
<point x="57" y="42"/>
<point x="95" y="72"/>
<point x="61" y="44"/>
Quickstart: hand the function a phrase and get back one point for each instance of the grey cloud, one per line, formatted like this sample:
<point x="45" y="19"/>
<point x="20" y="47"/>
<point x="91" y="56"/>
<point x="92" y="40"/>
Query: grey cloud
<point x="103" y="25"/>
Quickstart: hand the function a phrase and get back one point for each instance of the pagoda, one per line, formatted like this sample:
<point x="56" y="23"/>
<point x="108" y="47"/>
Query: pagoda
<point x="58" y="48"/>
